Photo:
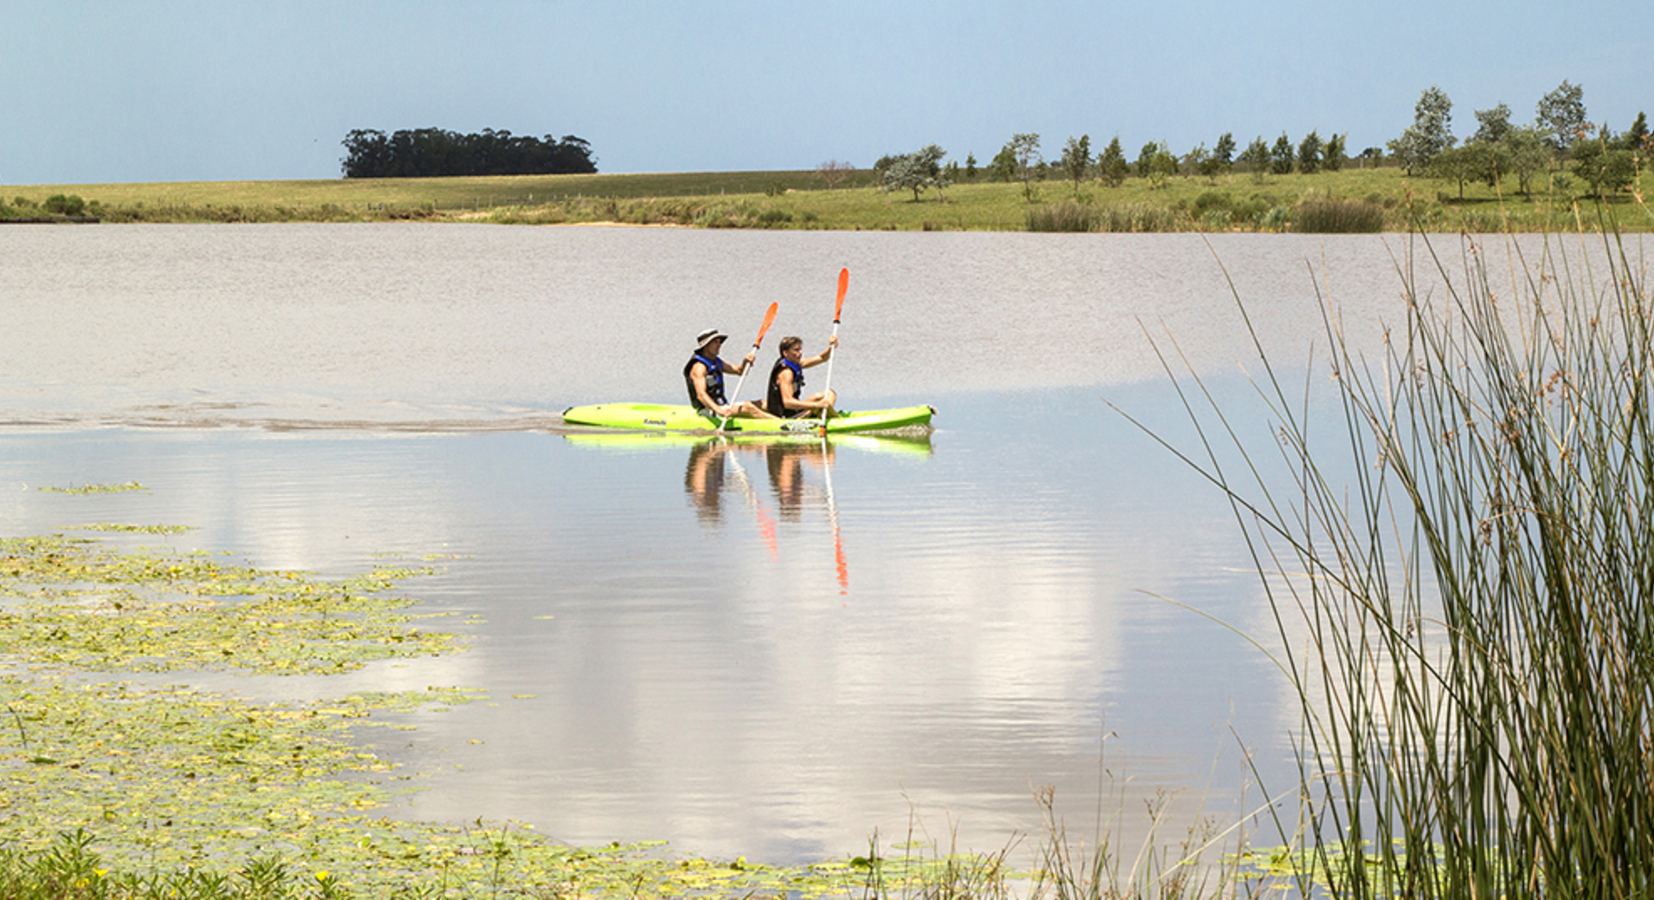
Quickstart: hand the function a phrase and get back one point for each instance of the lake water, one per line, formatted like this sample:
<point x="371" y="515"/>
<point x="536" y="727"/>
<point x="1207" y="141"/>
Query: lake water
<point x="768" y="650"/>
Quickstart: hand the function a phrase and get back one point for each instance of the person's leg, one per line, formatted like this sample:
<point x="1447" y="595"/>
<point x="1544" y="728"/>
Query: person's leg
<point x="816" y="398"/>
<point x="750" y="410"/>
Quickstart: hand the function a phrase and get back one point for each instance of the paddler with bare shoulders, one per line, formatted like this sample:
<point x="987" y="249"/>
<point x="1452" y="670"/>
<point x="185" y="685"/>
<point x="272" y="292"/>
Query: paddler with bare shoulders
<point x="786" y="397"/>
<point x="703" y="375"/>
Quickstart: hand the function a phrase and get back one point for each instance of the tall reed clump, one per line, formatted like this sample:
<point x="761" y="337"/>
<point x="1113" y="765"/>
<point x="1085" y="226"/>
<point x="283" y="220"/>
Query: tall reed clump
<point x="1065" y="216"/>
<point x="1327" y="216"/>
<point x="1138" y="217"/>
<point x="1468" y="614"/>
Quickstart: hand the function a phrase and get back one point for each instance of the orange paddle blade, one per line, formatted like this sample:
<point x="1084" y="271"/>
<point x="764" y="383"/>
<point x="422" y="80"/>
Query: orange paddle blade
<point x="769" y="319"/>
<point x="843" y="285"/>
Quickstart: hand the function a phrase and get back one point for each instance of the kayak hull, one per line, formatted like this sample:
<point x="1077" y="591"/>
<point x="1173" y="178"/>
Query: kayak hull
<point x="665" y="417"/>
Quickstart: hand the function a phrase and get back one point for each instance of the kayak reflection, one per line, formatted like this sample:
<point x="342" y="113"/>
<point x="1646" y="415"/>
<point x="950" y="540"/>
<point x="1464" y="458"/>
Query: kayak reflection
<point x="901" y="443"/>
<point x="798" y="469"/>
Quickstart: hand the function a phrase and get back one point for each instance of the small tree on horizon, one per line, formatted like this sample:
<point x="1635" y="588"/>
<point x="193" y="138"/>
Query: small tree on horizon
<point x="1076" y="160"/>
<point x="1256" y="157"/>
<point x="1561" y="117"/>
<point x="1004" y="165"/>
<point x="834" y="172"/>
<point x="1309" y="153"/>
<point x="1205" y="162"/>
<point x="1492" y="125"/>
<point x="1223" y="152"/>
<point x="1023" y="152"/>
<point x="1605" y="168"/>
<point x="916" y="172"/>
<point x="1111" y="163"/>
<point x="1635" y="138"/>
<point x="1529" y="155"/>
<point x="1336" y="153"/>
<point x="1468" y="162"/>
<point x="1145" y="159"/>
<point x="1156" y="163"/>
<point x="1430" y="133"/>
<point x="1280" y="156"/>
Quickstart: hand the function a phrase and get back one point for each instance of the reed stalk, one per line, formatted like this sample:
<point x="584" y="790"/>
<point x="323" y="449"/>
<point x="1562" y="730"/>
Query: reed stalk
<point x="1464" y="587"/>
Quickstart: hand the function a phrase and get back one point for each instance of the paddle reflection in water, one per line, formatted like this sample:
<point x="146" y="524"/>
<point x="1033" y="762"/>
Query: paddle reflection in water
<point x="766" y="524"/>
<point x="839" y="562"/>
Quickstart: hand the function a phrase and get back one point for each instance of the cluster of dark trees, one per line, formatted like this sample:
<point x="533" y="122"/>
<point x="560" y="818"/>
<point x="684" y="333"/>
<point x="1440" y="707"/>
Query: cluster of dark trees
<point x="428" y="152"/>
<point x="1560" y="139"/>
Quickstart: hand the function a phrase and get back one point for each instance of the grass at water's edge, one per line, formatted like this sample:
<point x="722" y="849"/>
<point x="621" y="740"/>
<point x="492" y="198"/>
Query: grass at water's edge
<point x="1350" y="200"/>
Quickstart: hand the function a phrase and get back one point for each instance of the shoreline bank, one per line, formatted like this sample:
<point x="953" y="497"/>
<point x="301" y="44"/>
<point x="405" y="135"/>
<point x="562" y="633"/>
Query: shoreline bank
<point x="1355" y="200"/>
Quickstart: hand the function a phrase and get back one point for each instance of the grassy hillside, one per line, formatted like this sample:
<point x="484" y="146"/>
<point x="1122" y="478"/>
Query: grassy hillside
<point x="1349" y="200"/>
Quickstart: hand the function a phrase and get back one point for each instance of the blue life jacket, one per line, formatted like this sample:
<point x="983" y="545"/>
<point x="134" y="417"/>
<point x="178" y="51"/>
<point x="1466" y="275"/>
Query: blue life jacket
<point x="714" y="380"/>
<point x="773" y="400"/>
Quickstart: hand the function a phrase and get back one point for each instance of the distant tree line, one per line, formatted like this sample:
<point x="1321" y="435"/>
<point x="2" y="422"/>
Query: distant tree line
<point x="1560" y="140"/>
<point x="1560" y="134"/>
<point x="431" y="152"/>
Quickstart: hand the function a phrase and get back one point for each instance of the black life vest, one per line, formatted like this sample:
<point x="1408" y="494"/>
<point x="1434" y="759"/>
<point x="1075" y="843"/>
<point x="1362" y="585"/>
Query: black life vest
<point x="773" y="400"/>
<point x="714" y="380"/>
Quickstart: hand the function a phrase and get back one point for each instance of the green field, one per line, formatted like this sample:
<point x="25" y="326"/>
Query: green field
<point x="1349" y="200"/>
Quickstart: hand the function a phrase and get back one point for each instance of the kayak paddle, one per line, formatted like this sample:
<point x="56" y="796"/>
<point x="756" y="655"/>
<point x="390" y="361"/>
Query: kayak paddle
<point x="838" y="307"/>
<point x="769" y="319"/>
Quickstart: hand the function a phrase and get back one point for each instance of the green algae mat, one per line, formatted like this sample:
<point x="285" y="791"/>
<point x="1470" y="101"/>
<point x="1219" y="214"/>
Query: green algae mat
<point x="104" y="741"/>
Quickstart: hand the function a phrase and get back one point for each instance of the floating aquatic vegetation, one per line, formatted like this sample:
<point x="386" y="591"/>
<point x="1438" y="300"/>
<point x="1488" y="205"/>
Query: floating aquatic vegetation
<point x="140" y="783"/>
<point x="97" y="488"/>
<point x="171" y="769"/>
<point x="136" y="529"/>
<point x="88" y="606"/>
<point x="171" y="777"/>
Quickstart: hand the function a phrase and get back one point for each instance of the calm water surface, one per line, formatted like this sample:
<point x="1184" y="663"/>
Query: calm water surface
<point x="752" y="649"/>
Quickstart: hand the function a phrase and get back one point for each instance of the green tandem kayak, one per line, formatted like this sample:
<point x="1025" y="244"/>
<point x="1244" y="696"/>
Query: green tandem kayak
<point x="662" y="417"/>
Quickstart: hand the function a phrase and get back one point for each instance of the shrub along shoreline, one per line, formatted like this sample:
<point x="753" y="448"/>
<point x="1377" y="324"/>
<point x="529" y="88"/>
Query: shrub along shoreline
<point x="1351" y="200"/>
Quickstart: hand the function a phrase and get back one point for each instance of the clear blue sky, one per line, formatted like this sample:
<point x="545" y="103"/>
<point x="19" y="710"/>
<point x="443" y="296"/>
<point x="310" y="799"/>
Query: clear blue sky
<point x="174" y="91"/>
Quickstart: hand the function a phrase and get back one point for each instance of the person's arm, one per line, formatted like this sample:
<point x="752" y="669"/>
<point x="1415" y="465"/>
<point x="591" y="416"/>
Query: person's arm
<point x="742" y="369"/>
<point x="821" y="357"/>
